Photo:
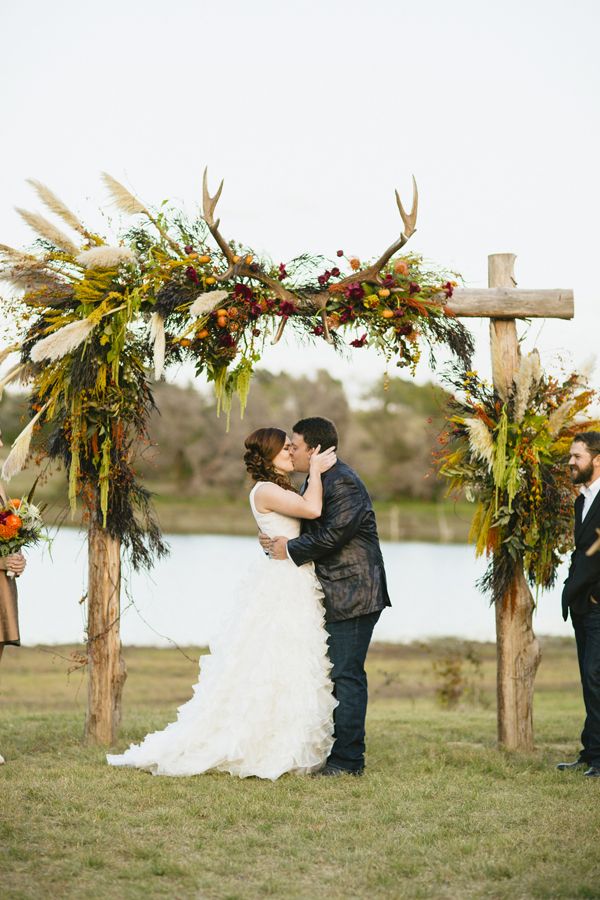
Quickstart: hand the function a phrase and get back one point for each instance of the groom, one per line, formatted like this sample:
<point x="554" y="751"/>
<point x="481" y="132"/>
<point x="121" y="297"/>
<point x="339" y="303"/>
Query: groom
<point x="344" y="546"/>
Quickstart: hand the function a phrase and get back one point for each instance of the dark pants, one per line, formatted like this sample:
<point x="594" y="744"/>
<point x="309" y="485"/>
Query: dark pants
<point x="348" y="644"/>
<point x="587" y="636"/>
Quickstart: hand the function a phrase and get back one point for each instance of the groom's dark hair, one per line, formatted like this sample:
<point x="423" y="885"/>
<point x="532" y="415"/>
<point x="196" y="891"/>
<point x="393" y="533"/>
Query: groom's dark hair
<point x="317" y="430"/>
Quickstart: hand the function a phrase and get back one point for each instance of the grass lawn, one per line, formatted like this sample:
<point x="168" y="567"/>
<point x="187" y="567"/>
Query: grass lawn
<point x="440" y="812"/>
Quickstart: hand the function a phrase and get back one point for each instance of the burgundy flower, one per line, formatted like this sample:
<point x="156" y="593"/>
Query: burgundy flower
<point x="256" y="332"/>
<point x="398" y="313"/>
<point x="354" y="291"/>
<point x="335" y="271"/>
<point x="321" y="280"/>
<point x="448" y="289"/>
<point x="340" y="253"/>
<point x="414" y="288"/>
<point x="242" y="292"/>
<point x="286" y="308"/>
<point x="282" y="271"/>
<point x="359" y="342"/>
<point x="188" y="248"/>
<point x="192" y="274"/>
<point x="255" y="310"/>
<point x="347" y="315"/>
<point x="389" y="281"/>
<point x="226" y="340"/>
<point x="405" y="329"/>
<point x="318" y="330"/>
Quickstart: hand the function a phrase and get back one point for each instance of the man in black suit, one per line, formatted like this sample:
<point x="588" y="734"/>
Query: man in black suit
<point x="581" y="594"/>
<point x="344" y="546"/>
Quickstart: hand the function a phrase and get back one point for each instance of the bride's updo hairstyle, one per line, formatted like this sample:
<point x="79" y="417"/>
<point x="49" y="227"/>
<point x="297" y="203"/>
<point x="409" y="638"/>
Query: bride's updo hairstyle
<point x="262" y="446"/>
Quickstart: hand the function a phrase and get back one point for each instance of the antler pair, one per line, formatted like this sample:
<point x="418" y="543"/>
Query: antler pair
<point x="239" y="267"/>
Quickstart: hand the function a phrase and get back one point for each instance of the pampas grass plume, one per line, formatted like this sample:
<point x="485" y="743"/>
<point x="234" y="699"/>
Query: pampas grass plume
<point x="526" y="379"/>
<point x="56" y="206"/>
<point x="10" y="376"/>
<point x="558" y="418"/>
<point x="68" y="338"/>
<point x="48" y="231"/>
<point x="481" y="441"/>
<point x="158" y="337"/>
<point x="123" y="199"/>
<point x="105" y="257"/>
<point x="205" y="303"/>
<point x="20" y="449"/>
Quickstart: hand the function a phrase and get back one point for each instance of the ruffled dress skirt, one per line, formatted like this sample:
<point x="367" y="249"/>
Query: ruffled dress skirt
<point x="263" y="704"/>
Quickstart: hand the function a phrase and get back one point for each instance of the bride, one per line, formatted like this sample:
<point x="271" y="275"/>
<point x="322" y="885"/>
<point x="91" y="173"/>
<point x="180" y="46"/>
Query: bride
<point x="263" y="704"/>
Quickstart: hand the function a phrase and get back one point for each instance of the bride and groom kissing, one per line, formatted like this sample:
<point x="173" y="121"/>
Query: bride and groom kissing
<point x="284" y="687"/>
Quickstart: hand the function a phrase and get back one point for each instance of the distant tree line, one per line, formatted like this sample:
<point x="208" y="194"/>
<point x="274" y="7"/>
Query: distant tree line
<point x="389" y="438"/>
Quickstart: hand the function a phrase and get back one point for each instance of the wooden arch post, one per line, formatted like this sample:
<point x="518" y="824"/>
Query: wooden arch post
<point x="106" y="666"/>
<point x="517" y="649"/>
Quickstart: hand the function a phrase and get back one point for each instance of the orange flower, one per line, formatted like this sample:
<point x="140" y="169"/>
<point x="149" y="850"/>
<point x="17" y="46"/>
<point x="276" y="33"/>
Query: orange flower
<point x="7" y="532"/>
<point x="401" y="267"/>
<point x="354" y="263"/>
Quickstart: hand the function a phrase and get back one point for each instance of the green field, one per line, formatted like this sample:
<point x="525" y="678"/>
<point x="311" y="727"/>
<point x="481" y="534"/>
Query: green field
<point x="439" y="813"/>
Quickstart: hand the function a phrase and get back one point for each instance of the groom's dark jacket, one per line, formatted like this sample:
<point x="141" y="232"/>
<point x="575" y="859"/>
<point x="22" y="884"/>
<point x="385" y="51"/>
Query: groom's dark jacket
<point x="583" y="580"/>
<point x="344" y="546"/>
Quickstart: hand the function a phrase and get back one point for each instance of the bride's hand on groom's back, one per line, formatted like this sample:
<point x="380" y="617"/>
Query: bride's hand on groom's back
<point x="322" y="462"/>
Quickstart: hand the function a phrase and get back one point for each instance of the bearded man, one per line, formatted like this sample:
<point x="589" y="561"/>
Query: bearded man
<point x="581" y="594"/>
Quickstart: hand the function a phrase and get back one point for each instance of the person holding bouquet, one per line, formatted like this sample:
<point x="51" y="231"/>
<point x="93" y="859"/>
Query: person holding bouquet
<point x="11" y="566"/>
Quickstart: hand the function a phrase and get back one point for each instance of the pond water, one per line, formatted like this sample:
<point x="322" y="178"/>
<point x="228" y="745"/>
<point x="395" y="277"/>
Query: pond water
<point x="432" y="587"/>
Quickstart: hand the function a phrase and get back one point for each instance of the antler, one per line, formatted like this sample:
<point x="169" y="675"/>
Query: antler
<point x="371" y="273"/>
<point x="238" y="266"/>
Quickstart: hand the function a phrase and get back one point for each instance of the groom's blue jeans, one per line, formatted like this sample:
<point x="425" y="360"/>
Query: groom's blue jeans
<point x="348" y="644"/>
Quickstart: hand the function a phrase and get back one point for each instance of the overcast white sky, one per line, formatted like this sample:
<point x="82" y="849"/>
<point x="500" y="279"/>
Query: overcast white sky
<point x="313" y="113"/>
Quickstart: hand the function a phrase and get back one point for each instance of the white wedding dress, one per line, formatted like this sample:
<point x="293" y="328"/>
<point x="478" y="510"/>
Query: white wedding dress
<point x="263" y="704"/>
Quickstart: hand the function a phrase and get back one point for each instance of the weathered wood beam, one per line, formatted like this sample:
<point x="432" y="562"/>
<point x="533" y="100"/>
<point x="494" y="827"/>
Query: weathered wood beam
<point x="513" y="303"/>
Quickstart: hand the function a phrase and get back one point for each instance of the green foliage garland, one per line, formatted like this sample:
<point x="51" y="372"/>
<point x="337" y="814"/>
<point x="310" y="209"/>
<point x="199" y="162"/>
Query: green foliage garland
<point x="510" y="459"/>
<point x="96" y="317"/>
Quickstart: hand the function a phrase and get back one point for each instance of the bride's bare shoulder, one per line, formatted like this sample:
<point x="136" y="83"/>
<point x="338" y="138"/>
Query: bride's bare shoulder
<point x="265" y="494"/>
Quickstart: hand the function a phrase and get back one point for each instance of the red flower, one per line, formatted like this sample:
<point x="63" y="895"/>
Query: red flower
<point x="414" y="288"/>
<point x="448" y="289"/>
<point x="255" y="310"/>
<point x="347" y="315"/>
<point x="226" y="340"/>
<point x="359" y="342"/>
<point x="188" y="248"/>
<point x="389" y="281"/>
<point x="335" y="272"/>
<point x="282" y="272"/>
<point x="318" y="330"/>
<point x="340" y="253"/>
<point x="192" y="274"/>
<point x="242" y="292"/>
<point x="286" y="308"/>
<point x="354" y="291"/>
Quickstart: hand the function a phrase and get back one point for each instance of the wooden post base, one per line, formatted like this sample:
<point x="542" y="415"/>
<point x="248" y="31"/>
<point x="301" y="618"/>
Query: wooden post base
<point x="518" y="657"/>
<point x="106" y="666"/>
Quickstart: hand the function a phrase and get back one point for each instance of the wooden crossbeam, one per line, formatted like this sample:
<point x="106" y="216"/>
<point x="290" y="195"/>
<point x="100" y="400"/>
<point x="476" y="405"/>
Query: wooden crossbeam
<point x="513" y="303"/>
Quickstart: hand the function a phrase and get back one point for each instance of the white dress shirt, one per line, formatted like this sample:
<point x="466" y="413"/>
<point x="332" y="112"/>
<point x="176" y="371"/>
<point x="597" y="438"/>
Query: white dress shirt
<point x="589" y="493"/>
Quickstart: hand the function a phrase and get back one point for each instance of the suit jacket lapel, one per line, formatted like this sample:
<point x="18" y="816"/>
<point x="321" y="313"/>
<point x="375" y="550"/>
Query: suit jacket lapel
<point x="591" y="516"/>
